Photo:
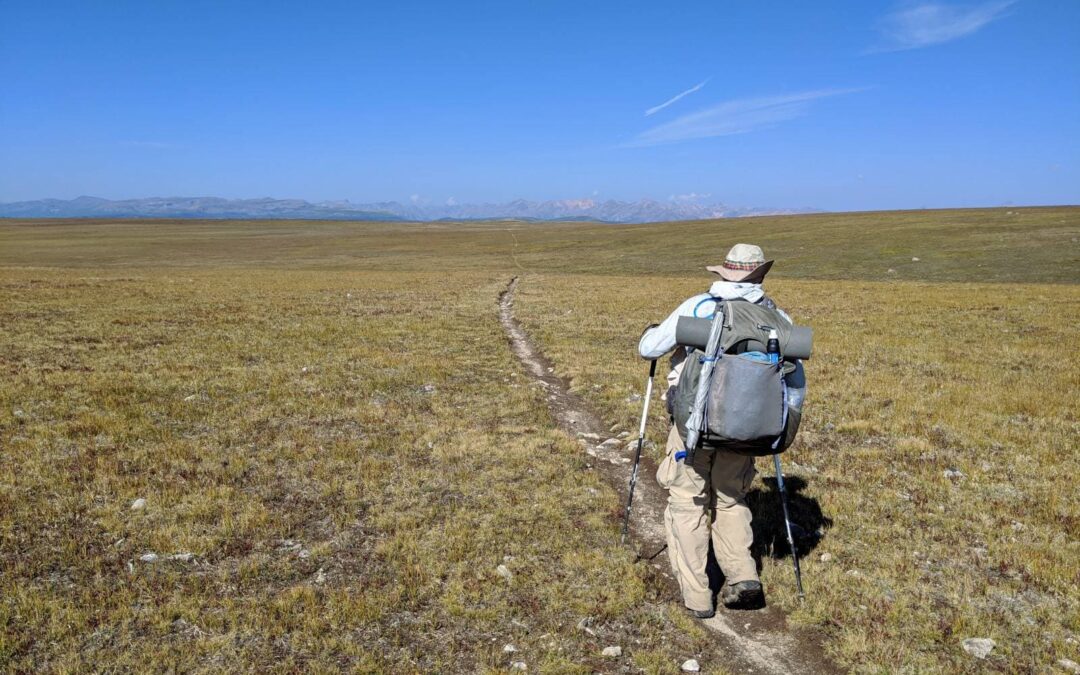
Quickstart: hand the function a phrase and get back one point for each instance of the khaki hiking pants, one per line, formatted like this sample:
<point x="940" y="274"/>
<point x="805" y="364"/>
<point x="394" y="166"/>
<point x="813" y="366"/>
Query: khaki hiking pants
<point x="707" y="499"/>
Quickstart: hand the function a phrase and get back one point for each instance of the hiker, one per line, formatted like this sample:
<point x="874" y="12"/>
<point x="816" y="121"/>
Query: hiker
<point x="713" y="489"/>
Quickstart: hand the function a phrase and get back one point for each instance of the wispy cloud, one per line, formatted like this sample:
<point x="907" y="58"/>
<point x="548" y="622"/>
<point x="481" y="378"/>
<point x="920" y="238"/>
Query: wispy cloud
<point x="676" y="97"/>
<point x="926" y="24"/>
<point x="737" y="116"/>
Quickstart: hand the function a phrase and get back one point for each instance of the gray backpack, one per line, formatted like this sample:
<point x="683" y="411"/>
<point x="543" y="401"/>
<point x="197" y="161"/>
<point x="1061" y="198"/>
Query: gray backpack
<point x="747" y="410"/>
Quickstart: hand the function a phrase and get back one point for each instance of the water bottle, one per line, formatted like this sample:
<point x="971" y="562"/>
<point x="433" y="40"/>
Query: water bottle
<point x="773" y="347"/>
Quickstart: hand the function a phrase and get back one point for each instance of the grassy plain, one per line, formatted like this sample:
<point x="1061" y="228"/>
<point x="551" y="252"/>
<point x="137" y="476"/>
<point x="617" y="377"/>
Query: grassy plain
<point x="328" y="418"/>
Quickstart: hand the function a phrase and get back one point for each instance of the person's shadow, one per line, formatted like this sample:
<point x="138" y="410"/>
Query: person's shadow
<point x="808" y="524"/>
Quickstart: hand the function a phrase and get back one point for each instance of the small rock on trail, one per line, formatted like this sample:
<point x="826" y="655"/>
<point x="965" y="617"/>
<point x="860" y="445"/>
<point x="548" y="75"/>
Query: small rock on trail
<point x="691" y="666"/>
<point x="138" y="505"/>
<point x="613" y="652"/>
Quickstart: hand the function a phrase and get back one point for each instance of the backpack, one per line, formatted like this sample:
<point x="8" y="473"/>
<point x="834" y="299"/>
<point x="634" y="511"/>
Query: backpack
<point x="748" y="410"/>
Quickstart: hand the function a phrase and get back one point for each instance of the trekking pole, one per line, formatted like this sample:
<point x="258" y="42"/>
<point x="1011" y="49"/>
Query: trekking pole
<point x="640" y="443"/>
<point x="787" y="524"/>
<point x="696" y="424"/>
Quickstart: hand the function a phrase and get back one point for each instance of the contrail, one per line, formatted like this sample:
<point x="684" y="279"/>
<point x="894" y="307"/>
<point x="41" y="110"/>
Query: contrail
<point x="668" y="102"/>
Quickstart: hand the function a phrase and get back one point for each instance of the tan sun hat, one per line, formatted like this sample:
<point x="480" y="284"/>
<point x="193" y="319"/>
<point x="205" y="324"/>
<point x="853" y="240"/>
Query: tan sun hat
<point x="744" y="262"/>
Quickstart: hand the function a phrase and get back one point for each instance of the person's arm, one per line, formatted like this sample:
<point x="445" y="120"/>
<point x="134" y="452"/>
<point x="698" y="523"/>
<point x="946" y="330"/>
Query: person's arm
<point x="659" y="340"/>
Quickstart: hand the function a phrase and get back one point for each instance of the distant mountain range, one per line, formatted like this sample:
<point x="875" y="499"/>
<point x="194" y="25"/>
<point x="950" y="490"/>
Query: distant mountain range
<point x="641" y="211"/>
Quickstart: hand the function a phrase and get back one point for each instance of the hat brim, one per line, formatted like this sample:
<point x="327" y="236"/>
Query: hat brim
<point x="753" y="276"/>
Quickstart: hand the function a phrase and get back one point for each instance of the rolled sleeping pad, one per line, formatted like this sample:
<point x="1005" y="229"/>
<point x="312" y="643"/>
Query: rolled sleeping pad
<point x="694" y="332"/>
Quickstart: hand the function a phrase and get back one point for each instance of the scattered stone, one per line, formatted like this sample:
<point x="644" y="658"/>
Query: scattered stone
<point x="518" y="665"/>
<point x="19" y="413"/>
<point x="320" y="576"/>
<point x="633" y="398"/>
<point x="613" y="652"/>
<point x="589" y="436"/>
<point x="584" y="626"/>
<point x="624" y="434"/>
<point x="614" y="428"/>
<point x="611" y="443"/>
<point x="980" y="648"/>
<point x="954" y="474"/>
<point x="191" y="398"/>
<point x="505" y="573"/>
<point x="891" y="271"/>
<point x="853" y="573"/>
<point x="304" y="554"/>
<point x="427" y="389"/>
<point x="150" y="558"/>
<point x="914" y="260"/>
<point x="691" y="666"/>
<point x="509" y="649"/>
<point x="1069" y="665"/>
<point x="304" y="369"/>
<point x="138" y="505"/>
<point x="187" y="628"/>
<point x="826" y="557"/>
<point x="182" y="557"/>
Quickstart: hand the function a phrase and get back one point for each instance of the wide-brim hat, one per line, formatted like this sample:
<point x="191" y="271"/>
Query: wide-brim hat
<point x="744" y="263"/>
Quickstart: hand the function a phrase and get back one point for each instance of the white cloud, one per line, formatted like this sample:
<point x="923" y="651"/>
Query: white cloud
<point x="415" y="199"/>
<point x="737" y="116"/>
<point x="676" y="97"/>
<point x="926" y="24"/>
<point x="451" y="202"/>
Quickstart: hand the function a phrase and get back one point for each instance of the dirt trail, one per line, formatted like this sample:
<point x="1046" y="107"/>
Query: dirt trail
<point x="755" y="642"/>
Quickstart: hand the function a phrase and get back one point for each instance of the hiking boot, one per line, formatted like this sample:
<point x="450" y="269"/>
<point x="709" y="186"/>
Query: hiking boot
<point x="743" y="595"/>
<point x="702" y="613"/>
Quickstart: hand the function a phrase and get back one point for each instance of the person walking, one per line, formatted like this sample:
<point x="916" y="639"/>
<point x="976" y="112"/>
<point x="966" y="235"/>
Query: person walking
<point x="706" y="500"/>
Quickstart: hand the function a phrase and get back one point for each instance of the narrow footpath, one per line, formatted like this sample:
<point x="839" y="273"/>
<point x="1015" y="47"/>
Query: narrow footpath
<point x="755" y="641"/>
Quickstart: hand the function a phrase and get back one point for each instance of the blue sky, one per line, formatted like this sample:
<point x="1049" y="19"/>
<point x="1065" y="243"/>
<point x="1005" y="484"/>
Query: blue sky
<point x="836" y="105"/>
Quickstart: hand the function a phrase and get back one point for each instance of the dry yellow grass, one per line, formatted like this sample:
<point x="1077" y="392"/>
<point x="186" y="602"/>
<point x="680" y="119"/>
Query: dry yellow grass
<point x="347" y="457"/>
<point x="261" y="385"/>
<point x="908" y="381"/>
